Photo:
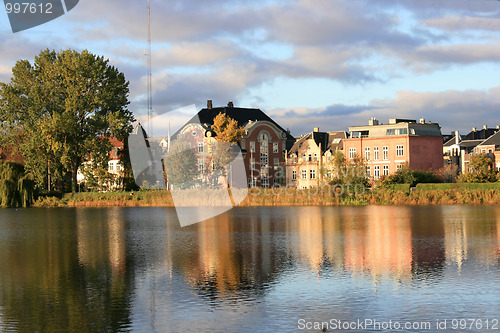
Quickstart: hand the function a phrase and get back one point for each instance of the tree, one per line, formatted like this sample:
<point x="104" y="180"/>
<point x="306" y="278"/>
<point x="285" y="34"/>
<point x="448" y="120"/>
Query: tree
<point x="226" y="129"/>
<point x="62" y="108"/>
<point x="405" y="175"/>
<point x="180" y="164"/>
<point x="481" y="170"/>
<point x="227" y="134"/>
<point x="349" y="176"/>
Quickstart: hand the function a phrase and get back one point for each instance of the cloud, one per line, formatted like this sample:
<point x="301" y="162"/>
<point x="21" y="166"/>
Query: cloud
<point x="457" y="23"/>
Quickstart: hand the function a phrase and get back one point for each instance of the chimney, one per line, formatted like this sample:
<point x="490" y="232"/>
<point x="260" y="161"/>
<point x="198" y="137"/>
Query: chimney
<point x="422" y="120"/>
<point x="373" y="121"/>
<point x="498" y="127"/>
<point x="230" y="105"/>
<point x="485" y="127"/>
<point x="457" y="137"/>
<point x="209" y="104"/>
<point x="316" y="129"/>
<point x="473" y="129"/>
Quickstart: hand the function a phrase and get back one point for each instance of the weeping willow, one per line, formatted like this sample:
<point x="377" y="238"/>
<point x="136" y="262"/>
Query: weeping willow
<point x="16" y="188"/>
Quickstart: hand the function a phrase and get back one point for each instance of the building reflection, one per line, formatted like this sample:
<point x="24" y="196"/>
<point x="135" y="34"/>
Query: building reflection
<point x="380" y="242"/>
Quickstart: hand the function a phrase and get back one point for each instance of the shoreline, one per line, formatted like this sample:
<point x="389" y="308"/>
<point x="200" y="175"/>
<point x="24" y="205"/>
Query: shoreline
<point x="266" y="197"/>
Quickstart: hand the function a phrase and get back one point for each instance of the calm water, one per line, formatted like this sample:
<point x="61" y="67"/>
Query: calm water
<point x="252" y="269"/>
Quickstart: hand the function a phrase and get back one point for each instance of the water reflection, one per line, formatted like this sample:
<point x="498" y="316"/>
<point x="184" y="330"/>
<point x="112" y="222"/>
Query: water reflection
<point x="120" y="269"/>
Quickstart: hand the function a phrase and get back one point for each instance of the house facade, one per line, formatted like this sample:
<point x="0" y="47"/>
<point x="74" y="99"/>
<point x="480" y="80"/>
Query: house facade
<point x="309" y="161"/>
<point x="263" y="147"/>
<point x="386" y="148"/>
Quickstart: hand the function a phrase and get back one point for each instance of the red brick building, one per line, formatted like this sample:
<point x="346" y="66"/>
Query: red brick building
<point x="263" y="146"/>
<point x="386" y="148"/>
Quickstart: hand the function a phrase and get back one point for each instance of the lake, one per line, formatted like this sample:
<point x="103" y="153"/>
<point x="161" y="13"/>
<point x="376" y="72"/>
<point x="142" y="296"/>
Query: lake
<point x="266" y="269"/>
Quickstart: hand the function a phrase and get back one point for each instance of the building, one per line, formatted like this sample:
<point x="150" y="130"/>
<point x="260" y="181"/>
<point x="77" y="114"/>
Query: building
<point x="263" y="147"/>
<point x="458" y="149"/>
<point x="386" y="148"/>
<point x="114" y="178"/>
<point x="309" y="160"/>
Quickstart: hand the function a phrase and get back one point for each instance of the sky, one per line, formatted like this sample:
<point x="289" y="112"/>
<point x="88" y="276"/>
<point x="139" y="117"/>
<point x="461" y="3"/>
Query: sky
<point x="306" y="63"/>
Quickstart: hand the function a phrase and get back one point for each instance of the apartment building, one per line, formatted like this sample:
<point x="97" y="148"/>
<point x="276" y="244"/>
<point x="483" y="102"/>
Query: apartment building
<point x="387" y="147"/>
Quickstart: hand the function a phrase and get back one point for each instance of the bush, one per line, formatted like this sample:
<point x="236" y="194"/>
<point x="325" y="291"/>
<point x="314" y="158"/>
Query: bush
<point x="405" y="175"/>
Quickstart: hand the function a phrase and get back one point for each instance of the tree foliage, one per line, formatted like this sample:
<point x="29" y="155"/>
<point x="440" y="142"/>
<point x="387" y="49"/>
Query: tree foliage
<point x="61" y="107"/>
<point x="226" y="129"/>
<point x="406" y="175"/>
<point x="481" y="170"/>
<point x="181" y="165"/>
<point x="16" y="188"/>
<point x="349" y="176"/>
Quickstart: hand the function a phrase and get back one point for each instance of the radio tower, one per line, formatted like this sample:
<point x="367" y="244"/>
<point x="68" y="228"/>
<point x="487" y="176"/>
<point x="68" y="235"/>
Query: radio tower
<point x="150" y="86"/>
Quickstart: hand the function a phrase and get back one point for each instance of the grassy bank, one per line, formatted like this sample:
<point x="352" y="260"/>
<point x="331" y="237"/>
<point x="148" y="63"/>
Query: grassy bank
<point x="423" y="194"/>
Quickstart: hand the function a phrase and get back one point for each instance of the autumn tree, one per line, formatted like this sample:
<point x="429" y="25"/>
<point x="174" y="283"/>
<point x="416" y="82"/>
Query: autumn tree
<point x="61" y="108"/>
<point x="480" y="170"/>
<point x="227" y="134"/>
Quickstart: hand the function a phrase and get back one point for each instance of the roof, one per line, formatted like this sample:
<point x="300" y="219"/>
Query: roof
<point x="242" y="116"/>
<point x="482" y="134"/>
<point x="451" y="141"/>
<point x="492" y="140"/>
<point x="327" y="140"/>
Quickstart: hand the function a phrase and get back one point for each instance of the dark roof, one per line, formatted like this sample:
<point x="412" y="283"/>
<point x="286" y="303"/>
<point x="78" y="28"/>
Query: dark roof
<point x="482" y="134"/>
<point x="242" y="115"/>
<point x="326" y="139"/>
<point x="492" y="140"/>
<point x="451" y="141"/>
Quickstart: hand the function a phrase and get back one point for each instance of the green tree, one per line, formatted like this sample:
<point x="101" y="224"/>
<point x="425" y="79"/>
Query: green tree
<point x="481" y="170"/>
<point x="181" y="165"/>
<point x="349" y="176"/>
<point x="61" y="108"/>
<point x="406" y="175"/>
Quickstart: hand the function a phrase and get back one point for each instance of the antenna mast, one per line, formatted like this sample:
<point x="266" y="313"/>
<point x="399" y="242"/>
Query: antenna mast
<point x="150" y="86"/>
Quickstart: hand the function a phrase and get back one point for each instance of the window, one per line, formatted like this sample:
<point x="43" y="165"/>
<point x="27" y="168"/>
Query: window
<point x="375" y="153"/>
<point x="294" y="159"/>
<point x="264" y="148"/>
<point x="304" y="157"/>
<point x="352" y="153"/>
<point x="368" y="171"/>
<point x="264" y="181"/>
<point x="400" y="166"/>
<point x="397" y="131"/>
<point x="263" y="159"/>
<point x="275" y="147"/>
<point x="328" y="157"/>
<point x="367" y="153"/>
<point x="118" y="167"/>
<point x="490" y="151"/>
<point x="315" y="156"/>
<point x="312" y="174"/>
<point x="385" y="153"/>
<point x="294" y="175"/>
<point x="483" y="151"/>
<point x="309" y="157"/>
<point x="276" y="161"/>
<point x="399" y="150"/>
<point x="386" y="170"/>
<point x="329" y="174"/>
<point x="111" y="166"/>
<point x="376" y="171"/>
<point x="193" y="133"/>
<point x="304" y="174"/>
<point x="252" y="146"/>
<point x="200" y="147"/>
<point x="252" y="181"/>
<point x="264" y="137"/>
